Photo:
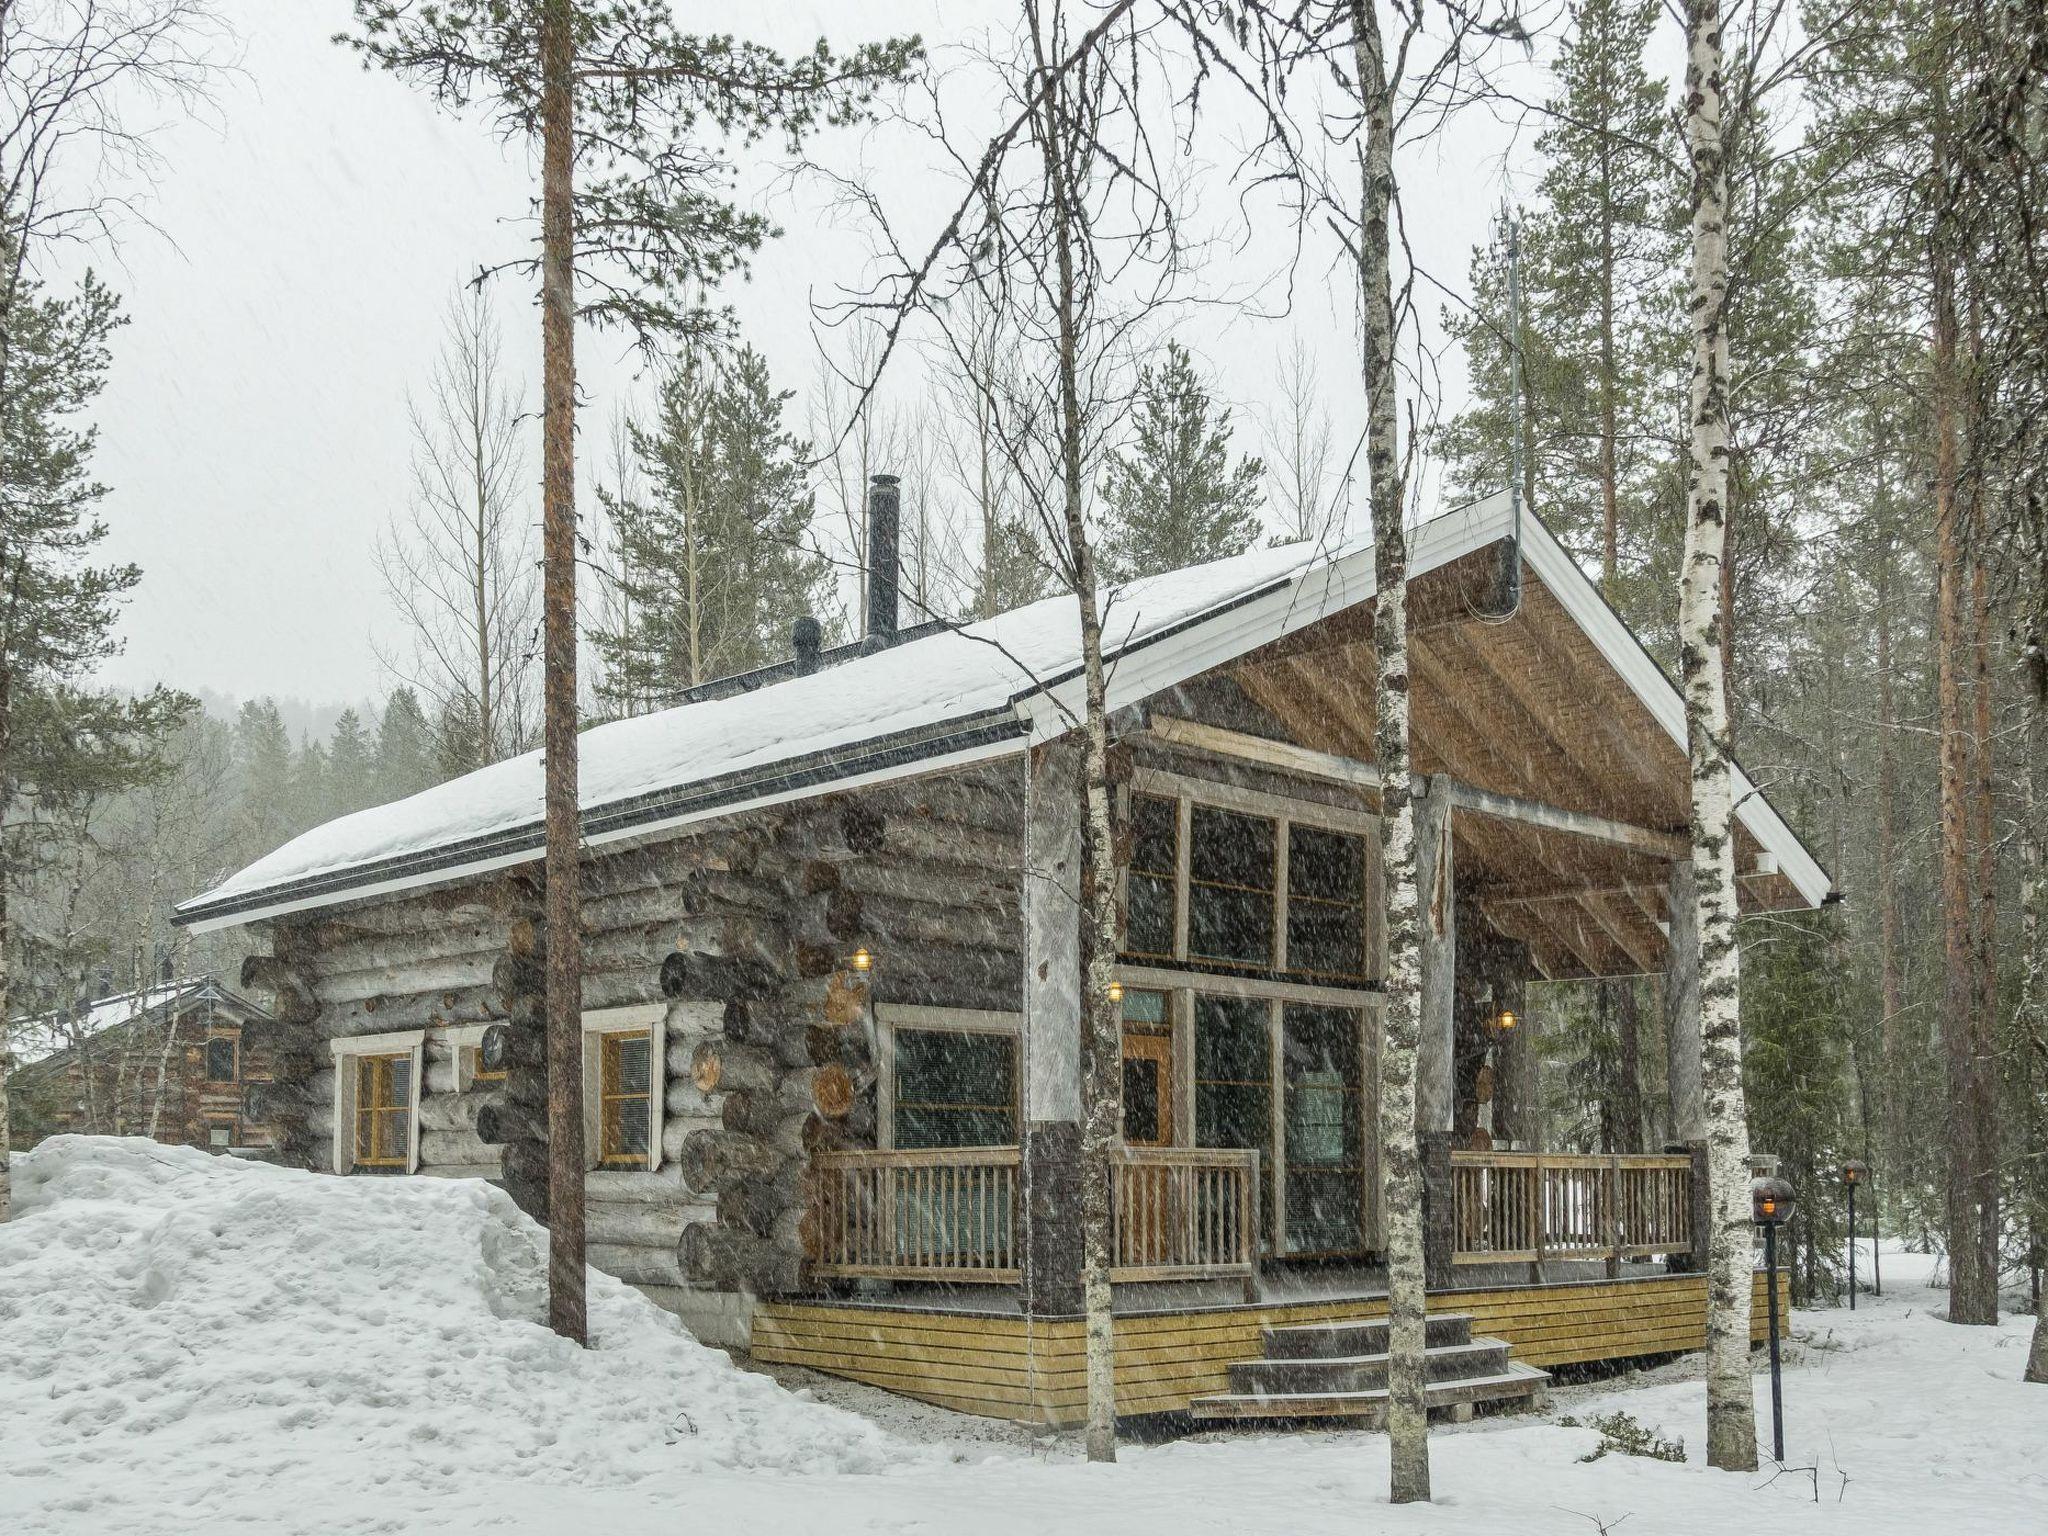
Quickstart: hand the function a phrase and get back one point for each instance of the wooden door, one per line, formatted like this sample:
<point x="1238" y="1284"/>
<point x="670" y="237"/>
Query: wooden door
<point x="1148" y="1090"/>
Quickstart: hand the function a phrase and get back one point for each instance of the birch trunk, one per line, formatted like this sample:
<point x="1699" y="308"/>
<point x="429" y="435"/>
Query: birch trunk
<point x="1101" y="1028"/>
<point x="1400" y="1152"/>
<point x="567" y="1303"/>
<point x="1731" y="1404"/>
<point x="2034" y="988"/>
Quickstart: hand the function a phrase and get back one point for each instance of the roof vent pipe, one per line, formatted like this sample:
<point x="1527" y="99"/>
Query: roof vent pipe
<point x="884" y="570"/>
<point x="806" y="638"/>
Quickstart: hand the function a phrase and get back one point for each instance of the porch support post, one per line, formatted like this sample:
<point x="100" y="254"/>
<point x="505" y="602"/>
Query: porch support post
<point x="1682" y="1064"/>
<point x="1435" y="1085"/>
<point x="1050" y="1243"/>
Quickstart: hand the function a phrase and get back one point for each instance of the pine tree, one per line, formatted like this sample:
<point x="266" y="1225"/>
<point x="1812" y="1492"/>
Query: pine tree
<point x="349" y="765"/>
<point x="1602" y="327"/>
<point x="59" y="738"/>
<point x="405" y="762"/>
<point x="1170" y="498"/>
<point x="310" y="787"/>
<point x="714" y="552"/>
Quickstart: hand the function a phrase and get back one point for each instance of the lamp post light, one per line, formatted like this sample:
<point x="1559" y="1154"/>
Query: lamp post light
<point x="1854" y="1172"/>
<point x="1770" y="1207"/>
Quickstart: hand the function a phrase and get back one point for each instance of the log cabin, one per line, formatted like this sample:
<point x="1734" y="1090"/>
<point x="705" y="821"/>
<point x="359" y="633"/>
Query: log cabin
<point x="176" y="1060"/>
<point x="832" y="999"/>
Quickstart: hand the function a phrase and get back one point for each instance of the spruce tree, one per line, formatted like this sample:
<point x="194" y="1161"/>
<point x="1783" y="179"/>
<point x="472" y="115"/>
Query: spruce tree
<point x="405" y="762"/>
<point x="349" y="765"/>
<point x="714" y="552"/>
<point x="263" y="764"/>
<point x="1171" y="498"/>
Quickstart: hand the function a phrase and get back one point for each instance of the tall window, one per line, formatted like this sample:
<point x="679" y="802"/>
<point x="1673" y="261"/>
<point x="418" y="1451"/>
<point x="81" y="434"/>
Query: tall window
<point x="1322" y="1075"/>
<point x="1230" y="887"/>
<point x="220" y="1059"/>
<point x="1325" y="903"/>
<point x="1153" y="877"/>
<point x="383" y="1110"/>
<point x="955" y="1088"/>
<point x="1234" y="1078"/>
<point x="625" y="1113"/>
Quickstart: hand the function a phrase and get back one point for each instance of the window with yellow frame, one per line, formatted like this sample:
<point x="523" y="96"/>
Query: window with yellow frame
<point x="625" y="1098"/>
<point x="474" y="1070"/>
<point x="383" y="1110"/>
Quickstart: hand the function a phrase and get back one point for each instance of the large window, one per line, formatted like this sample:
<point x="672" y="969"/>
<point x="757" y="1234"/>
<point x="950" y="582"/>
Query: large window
<point x="1247" y="883"/>
<point x="383" y="1110"/>
<point x="1325" y="903"/>
<point x="625" y="1099"/>
<point x="1322" y="1075"/>
<point x="1230" y="887"/>
<point x="955" y="1088"/>
<point x="220" y="1059"/>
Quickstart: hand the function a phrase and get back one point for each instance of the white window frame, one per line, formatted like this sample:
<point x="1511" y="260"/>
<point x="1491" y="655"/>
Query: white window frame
<point x="408" y="1042"/>
<point x="462" y="1039"/>
<point x="629" y="1020"/>
<point x="890" y="1017"/>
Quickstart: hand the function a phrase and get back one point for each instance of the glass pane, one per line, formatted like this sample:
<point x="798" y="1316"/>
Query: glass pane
<point x="400" y="1078"/>
<point x="1327" y="865"/>
<point x="1325" y="940"/>
<point x="1325" y="903"/>
<point x="1141" y="1101"/>
<point x="220" y="1061"/>
<point x="1155" y="834"/>
<point x="1229" y="849"/>
<point x="1230" y="925"/>
<point x="632" y="1126"/>
<point x="632" y="1063"/>
<point x="955" y="1089"/>
<point x="1322" y="1072"/>
<point x="1234" y="1082"/>
<point x="1144" y="1007"/>
<point x="1148" y="916"/>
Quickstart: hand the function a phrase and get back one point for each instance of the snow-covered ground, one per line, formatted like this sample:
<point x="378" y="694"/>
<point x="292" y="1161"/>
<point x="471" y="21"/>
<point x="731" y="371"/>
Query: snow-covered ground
<point x="187" y="1342"/>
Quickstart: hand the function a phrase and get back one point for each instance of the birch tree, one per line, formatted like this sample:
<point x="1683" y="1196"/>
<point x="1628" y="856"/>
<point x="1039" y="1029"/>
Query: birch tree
<point x="458" y="563"/>
<point x="1731" y="1406"/>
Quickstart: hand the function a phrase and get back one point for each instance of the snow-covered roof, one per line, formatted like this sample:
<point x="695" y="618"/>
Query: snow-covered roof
<point x="983" y="690"/>
<point x="50" y="1034"/>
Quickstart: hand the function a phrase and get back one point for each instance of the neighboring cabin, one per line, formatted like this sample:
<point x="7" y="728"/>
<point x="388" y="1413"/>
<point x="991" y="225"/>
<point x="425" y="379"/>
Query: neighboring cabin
<point x="175" y="1061"/>
<point x="832" y="986"/>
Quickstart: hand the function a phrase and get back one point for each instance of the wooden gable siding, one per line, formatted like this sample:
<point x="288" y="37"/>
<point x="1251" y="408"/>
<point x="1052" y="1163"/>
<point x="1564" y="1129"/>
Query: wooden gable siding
<point x="1034" y="1369"/>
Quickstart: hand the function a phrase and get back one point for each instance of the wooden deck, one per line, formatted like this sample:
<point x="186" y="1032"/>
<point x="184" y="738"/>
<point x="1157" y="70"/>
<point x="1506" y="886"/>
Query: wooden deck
<point x="1032" y="1370"/>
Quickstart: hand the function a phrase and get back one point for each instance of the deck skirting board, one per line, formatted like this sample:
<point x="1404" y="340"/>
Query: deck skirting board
<point x="1034" y="1369"/>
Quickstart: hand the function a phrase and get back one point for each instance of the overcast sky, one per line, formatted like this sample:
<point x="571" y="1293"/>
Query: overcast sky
<point x="254" y="431"/>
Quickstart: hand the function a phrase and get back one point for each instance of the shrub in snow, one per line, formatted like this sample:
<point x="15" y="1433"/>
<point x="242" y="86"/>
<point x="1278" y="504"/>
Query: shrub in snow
<point x="1622" y="1432"/>
<point x="168" y="1312"/>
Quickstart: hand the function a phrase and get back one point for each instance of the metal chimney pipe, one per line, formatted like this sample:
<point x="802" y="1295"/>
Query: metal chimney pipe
<point x="806" y="638"/>
<point x="884" y="560"/>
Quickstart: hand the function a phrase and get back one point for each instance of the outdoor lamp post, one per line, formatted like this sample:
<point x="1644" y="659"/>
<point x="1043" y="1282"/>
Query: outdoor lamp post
<point x="1770" y="1207"/>
<point x="1854" y="1172"/>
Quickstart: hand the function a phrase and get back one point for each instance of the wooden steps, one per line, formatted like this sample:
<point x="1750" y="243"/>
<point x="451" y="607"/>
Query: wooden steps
<point x="1339" y="1371"/>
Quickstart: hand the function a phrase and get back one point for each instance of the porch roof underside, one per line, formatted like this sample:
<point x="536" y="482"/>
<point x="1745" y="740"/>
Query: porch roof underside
<point x="1526" y="707"/>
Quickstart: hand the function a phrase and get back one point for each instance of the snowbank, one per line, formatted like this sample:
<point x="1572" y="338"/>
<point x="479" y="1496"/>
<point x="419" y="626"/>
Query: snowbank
<point x="224" y="1335"/>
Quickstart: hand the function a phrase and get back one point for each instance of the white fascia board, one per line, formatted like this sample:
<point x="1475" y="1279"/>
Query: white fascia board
<point x="1636" y="667"/>
<point x="640" y="832"/>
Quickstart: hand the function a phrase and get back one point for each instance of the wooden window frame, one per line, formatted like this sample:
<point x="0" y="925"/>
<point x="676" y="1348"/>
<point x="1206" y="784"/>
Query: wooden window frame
<point x="234" y="1058"/>
<point x="890" y="1017"/>
<point x="346" y="1053"/>
<point x="465" y="1044"/>
<point x="1284" y="812"/>
<point x="650" y="1019"/>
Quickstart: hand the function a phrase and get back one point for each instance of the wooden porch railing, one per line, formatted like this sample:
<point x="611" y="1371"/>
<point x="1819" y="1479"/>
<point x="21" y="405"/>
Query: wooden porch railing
<point x="1528" y="1207"/>
<point x="953" y="1214"/>
<point x="1185" y="1213"/>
